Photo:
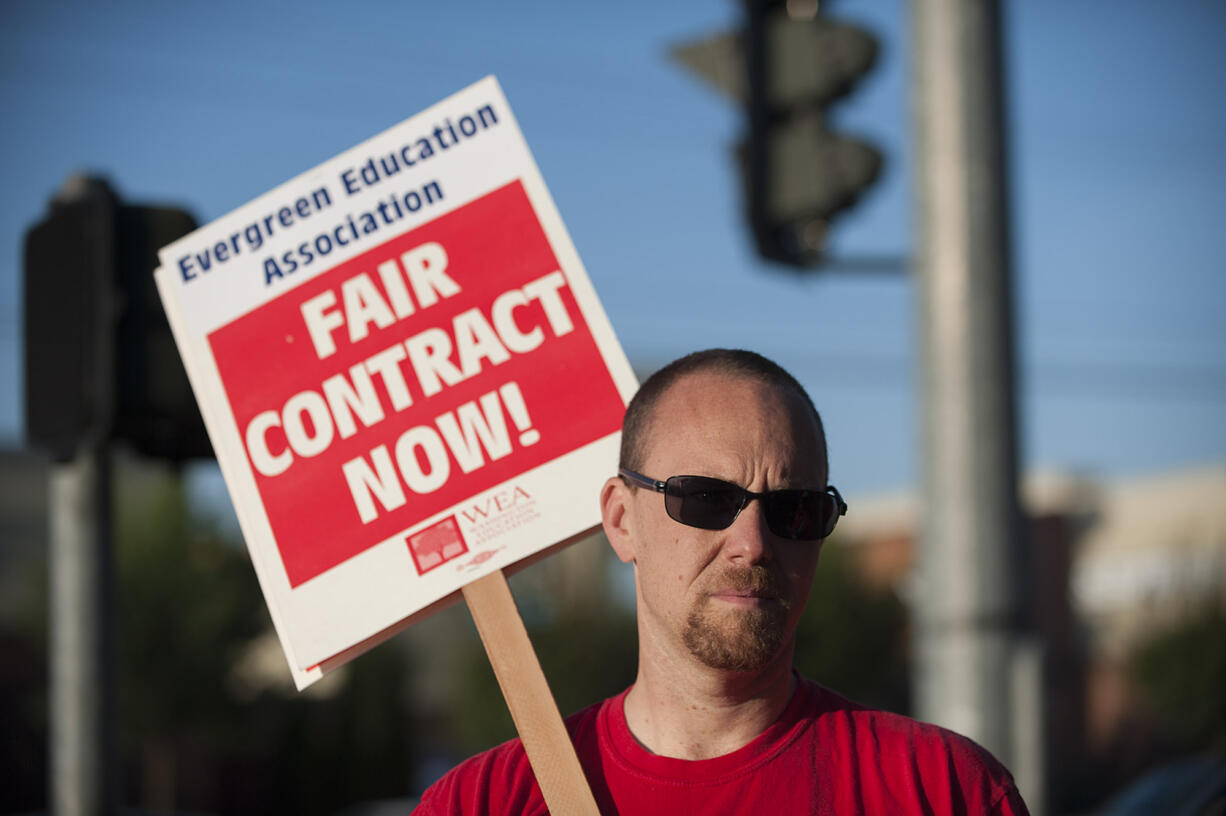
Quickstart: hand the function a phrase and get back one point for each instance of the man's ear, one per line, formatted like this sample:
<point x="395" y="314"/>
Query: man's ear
<point x="616" y="513"/>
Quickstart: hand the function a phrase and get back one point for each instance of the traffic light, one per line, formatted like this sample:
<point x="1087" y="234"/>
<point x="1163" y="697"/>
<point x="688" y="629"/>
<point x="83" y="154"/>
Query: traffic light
<point x="100" y="360"/>
<point x="787" y="66"/>
<point x="69" y="266"/>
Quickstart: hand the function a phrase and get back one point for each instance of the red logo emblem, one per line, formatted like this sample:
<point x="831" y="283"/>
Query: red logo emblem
<point x="436" y="545"/>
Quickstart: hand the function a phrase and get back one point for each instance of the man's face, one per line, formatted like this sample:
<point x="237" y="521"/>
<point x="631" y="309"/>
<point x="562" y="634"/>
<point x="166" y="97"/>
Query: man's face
<point x="730" y="598"/>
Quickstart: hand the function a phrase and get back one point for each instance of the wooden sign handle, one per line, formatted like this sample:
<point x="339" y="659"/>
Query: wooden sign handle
<point x="532" y="706"/>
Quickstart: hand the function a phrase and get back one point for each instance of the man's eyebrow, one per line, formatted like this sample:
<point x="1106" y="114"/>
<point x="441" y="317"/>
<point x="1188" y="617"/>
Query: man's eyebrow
<point x="785" y="483"/>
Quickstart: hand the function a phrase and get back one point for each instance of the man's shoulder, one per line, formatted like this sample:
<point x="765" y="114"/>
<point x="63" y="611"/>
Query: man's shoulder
<point x="896" y="731"/>
<point x="894" y="750"/>
<point x="500" y="780"/>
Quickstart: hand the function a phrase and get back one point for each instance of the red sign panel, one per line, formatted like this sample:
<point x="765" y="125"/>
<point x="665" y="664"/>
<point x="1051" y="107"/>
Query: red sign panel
<point x="410" y="378"/>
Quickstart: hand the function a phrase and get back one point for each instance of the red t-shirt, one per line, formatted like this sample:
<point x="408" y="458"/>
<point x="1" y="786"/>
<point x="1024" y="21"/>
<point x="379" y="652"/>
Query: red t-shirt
<point x="824" y="755"/>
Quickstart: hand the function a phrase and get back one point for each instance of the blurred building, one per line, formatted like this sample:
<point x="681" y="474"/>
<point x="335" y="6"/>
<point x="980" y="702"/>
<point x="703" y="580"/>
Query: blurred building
<point x="1159" y="548"/>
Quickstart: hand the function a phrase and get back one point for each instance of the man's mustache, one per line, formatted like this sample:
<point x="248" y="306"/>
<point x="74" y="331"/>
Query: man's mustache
<point x="758" y="580"/>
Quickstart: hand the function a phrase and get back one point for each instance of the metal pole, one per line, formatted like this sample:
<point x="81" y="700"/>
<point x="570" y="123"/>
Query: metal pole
<point x="81" y="632"/>
<point x="972" y="597"/>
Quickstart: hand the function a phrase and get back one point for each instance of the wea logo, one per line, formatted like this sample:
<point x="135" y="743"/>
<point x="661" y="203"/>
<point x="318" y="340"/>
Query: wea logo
<point x="495" y="504"/>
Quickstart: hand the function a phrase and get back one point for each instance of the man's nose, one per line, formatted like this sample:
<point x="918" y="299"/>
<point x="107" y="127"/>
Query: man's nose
<point x="748" y="539"/>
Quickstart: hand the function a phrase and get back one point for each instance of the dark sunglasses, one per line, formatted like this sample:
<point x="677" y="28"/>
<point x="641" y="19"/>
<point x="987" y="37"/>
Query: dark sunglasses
<point x="713" y="504"/>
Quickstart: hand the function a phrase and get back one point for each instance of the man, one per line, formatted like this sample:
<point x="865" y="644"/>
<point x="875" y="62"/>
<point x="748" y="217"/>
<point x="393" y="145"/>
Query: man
<point x="721" y="504"/>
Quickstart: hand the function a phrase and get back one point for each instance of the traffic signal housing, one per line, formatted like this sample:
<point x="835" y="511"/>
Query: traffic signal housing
<point x="788" y="66"/>
<point x="100" y="360"/>
<point x="799" y="174"/>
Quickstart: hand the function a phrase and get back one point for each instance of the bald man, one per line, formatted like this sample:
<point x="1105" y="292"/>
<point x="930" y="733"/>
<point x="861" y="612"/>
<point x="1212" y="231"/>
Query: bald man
<point x="721" y="504"/>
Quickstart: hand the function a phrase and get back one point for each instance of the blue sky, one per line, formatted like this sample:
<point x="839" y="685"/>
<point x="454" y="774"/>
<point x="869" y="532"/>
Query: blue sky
<point x="1116" y="138"/>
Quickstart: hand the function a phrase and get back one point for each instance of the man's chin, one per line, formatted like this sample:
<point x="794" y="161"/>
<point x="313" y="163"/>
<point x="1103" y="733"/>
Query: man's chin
<point x="743" y="640"/>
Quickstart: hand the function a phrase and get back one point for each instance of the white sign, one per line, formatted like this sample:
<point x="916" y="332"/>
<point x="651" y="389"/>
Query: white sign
<point x="405" y="373"/>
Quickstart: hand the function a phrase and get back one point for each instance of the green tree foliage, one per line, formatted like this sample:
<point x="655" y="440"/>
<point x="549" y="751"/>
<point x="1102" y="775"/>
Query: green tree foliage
<point x="1181" y="673"/>
<point x="586" y="654"/>
<point x="853" y="637"/>
<point x="188" y="610"/>
<point x="187" y="604"/>
<point x="23" y="723"/>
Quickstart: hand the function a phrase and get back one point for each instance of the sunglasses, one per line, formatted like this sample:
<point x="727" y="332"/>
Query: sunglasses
<point x="713" y="504"/>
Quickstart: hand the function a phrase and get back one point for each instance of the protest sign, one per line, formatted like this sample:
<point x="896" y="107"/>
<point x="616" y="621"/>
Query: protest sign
<point x="405" y="373"/>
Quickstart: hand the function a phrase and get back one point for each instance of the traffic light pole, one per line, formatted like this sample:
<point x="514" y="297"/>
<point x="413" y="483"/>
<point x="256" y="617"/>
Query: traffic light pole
<point x="975" y="656"/>
<point x="81" y="613"/>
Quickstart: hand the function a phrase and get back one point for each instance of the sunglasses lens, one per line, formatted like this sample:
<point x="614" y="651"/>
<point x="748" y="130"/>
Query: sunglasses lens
<point x="799" y="514"/>
<point x="700" y="501"/>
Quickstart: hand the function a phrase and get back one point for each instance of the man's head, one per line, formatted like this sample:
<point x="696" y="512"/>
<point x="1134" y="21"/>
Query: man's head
<point x="729" y="362"/>
<point x="729" y="598"/>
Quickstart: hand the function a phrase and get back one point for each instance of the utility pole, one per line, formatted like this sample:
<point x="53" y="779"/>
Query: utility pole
<point x="977" y="664"/>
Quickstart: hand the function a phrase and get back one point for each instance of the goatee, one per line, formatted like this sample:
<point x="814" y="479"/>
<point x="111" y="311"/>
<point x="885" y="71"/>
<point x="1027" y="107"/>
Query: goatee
<point x="739" y="639"/>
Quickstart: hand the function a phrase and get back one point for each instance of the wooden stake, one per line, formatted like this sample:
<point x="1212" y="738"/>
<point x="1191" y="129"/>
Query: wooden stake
<point x="532" y="706"/>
